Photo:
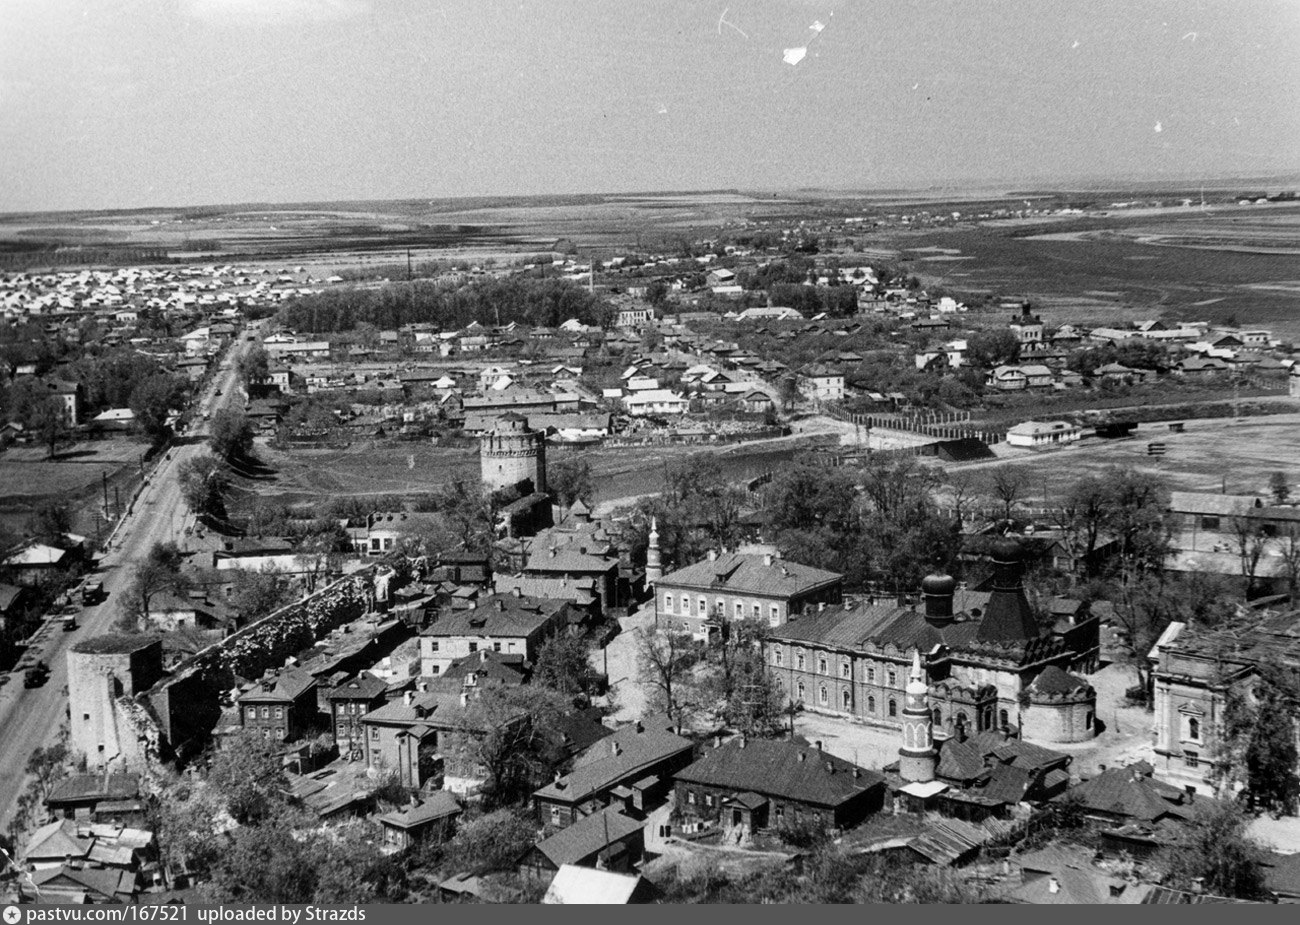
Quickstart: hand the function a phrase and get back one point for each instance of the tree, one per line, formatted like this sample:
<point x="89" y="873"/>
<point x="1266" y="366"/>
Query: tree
<point x="787" y="391"/>
<point x="1251" y="544"/>
<point x="1271" y="758"/>
<point x="570" y="480"/>
<point x="1279" y="488"/>
<point x="470" y="515"/>
<point x="988" y="349"/>
<point x="51" y="520"/>
<point x="204" y="482"/>
<point x="666" y="659"/>
<point x="254" y="366"/>
<point x="48" y="765"/>
<point x="903" y="534"/>
<point x="1085" y="514"/>
<point x="1289" y="550"/>
<point x="248" y="779"/>
<point x="493" y="841"/>
<point x="1007" y="485"/>
<point x="48" y="420"/>
<point x="231" y="435"/>
<point x="266" y="864"/>
<point x="1220" y="856"/>
<point x="522" y="746"/>
<point x="259" y="593"/>
<point x="152" y="402"/>
<point x="737" y="684"/>
<point x="564" y="666"/>
<point x="157" y="574"/>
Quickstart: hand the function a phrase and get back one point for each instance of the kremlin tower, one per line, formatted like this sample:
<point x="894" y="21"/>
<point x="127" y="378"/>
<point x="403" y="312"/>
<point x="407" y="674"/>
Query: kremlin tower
<point x="916" y="763"/>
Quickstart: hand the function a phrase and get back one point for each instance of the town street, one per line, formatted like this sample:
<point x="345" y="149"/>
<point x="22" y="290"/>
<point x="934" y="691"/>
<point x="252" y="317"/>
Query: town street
<point x="30" y="717"/>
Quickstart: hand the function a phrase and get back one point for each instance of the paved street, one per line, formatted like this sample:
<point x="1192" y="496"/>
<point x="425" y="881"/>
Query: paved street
<point x="29" y="718"/>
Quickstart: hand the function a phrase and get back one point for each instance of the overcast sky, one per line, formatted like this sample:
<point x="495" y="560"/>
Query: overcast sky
<point x="113" y="103"/>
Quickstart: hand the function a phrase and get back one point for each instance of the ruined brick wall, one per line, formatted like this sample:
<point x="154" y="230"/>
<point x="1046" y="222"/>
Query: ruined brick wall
<point x="186" y="705"/>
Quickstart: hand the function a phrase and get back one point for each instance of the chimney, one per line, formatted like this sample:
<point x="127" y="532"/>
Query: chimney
<point x="821" y="606"/>
<point x="464" y="698"/>
<point x="744" y="740"/>
<point x="1053" y="885"/>
<point x="857" y="772"/>
<point x="639" y="728"/>
<point x="501" y="605"/>
<point x="717" y="741"/>
<point x="1198" y="884"/>
<point x="515" y="591"/>
<point x="767" y="558"/>
<point x="408" y="698"/>
<point x="830" y="768"/>
<point x="818" y="743"/>
<point x="803" y="756"/>
<point x="713" y="555"/>
<point x="423" y="687"/>
<point x="614" y="749"/>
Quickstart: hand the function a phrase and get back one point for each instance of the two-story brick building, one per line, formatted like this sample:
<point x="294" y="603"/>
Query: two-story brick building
<point x="509" y="623"/>
<point x="741" y="586"/>
<point x="980" y="649"/>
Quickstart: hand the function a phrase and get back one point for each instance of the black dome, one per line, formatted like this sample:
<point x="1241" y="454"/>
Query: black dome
<point x="939" y="585"/>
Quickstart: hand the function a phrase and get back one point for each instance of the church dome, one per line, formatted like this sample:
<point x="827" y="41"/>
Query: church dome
<point x="1006" y="550"/>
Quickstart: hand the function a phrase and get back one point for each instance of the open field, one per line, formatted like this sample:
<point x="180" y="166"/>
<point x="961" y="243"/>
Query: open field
<point x="1236" y="456"/>
<point x="28" y="477"/>
<point x="1130" y="265"/>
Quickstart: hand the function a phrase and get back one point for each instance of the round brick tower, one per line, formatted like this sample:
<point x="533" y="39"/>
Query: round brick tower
<point x="512" y="452"/>
<point x="916" y="759"/>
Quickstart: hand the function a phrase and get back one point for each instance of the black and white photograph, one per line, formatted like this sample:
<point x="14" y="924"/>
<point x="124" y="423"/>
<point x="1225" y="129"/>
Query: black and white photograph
<point x="647" y="452"/>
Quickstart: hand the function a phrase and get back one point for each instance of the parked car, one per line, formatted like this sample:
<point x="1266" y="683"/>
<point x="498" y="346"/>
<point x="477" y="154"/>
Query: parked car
<point x="37" y="675"/>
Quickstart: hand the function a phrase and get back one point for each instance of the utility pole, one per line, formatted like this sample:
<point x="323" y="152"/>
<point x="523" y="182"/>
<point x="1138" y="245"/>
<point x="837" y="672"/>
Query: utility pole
<point x="105" y="475"/>
<point x="408" y="264"/>
<point x="117" y="501"/>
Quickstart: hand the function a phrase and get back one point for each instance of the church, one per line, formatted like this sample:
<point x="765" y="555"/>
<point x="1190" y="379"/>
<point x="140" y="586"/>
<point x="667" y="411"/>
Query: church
<point x="980" y="653"/>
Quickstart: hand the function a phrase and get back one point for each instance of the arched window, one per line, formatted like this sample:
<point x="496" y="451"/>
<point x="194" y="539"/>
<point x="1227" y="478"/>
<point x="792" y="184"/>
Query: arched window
<point x="963" y="719"/>
<point x="1003" y="718"/>
<point x="668" y="603"/>
<point x="822" y="697"/>
<point x="799" y="690"/>
<point x="871" y="704"/>
<point x="893" y="678"/>
<point x="821" y="665"/>
<point x="846" y="671"/>
<point x="893" y="707"/>
<point x="1088" y="720"/>
<point x="936" y="717"/>
<point x="846" y="700"/>
<point x="1193" y="728"/>
<point x="776" y="657"/>
<point x="798" y="659"/>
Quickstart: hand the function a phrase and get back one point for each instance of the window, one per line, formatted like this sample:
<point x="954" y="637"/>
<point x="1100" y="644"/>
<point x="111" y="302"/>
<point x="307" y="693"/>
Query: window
<point x="871" y="675"/>
<point x="871" y="704"/>
<point x="798" y="661"/>
<point x="690" y="797"/>
<point x="821" y="665"/>
<point x="668" y="603"/>
<point x="1193" y="728"/>
<point x="374" y="732"/>
<point x="388" y="542"/>
<point x="708" y="799"/>
<point x="555" y="815"/>
<point x="776" y="657"/>
<point x="776" y="614"/>
<point x="433" y="645"/>
<point x="496" y="647"/>
<point x="893" y="707"/>
<point x="252" y="713"/>
<point x="821" y="696"/>
<point x="936" y="717"/>
<point x="758" y="612"/>
<point x="740" y="610"/>
<point x="704" y="607"/>
<point x="1004" y="719"/>
<point x="846" y="671"/>
<point x="1192" y="759"/>
<point x="893" y="678"/>
<point x="473" y="646"/>
<point x="279" y="712"/>
<point x="434" y="669"/>
<point x="799" y="689"/>
<point x="374" y="543"/>
<point x="846" y="701"/>
<point x="780" y="813"/>
<point x="1209" y="523"/>
<point x="266" y="712"/>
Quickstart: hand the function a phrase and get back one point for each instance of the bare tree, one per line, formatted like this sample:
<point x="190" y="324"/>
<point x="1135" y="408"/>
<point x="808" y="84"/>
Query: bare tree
<point x="1251" y="543"/>
<point x="1007" y="485"/>
<point x="1289" y="548"/>
<point x="667" y="659"/>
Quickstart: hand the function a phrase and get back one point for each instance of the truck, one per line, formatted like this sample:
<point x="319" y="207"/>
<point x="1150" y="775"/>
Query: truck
<point x="91" y="589"/>
<point x="69" y="622"/>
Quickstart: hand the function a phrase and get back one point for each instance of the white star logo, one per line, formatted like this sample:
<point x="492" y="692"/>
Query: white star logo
<point x="12" y="915"/>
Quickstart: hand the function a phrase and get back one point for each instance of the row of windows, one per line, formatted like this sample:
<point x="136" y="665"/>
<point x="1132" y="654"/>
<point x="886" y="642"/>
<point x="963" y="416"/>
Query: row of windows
<point x="823" y="667"/>
<point x="266" y="713"/>
<point x="694" y="798"/>
<point x="434" y="646"/>
<point x="700" y="608"/>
